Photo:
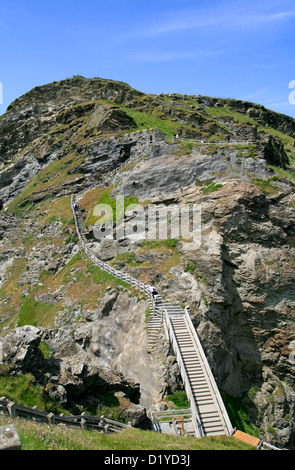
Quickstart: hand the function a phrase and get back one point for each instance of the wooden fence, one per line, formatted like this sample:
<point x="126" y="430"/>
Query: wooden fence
<point x="83" y="421"/>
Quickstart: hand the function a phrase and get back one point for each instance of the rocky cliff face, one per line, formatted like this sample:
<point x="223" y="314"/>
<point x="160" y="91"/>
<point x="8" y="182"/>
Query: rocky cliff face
<point x="237" y="168"/>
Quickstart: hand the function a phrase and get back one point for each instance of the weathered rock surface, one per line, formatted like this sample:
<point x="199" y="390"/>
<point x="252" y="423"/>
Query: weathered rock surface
<point x="166" y="173"/>
<point x="239" y="281"/>
<point x="9" y="438"/>
<point x="20" y="347"/>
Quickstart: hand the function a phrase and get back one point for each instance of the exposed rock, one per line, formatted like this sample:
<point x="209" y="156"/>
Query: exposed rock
<point x="20" y="346"/>
<point x="108" y="250"/>
<point x="164" y="174"/>
<point x="120" y="336"/>
<point x="112" y="119"/>
<point x="137" y="416"/>
<point x="60" y="139"/>
<point x="57" y="392"/>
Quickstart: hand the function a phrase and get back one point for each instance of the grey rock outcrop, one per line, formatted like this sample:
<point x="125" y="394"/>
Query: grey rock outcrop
<point x="21" y="347"/>
<point x="165" y="173"/>
<point x="119" y="336"/>
<point x="240" y="280"/>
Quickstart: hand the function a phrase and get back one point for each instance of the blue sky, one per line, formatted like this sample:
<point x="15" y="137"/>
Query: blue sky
<point x="229" y="49"/>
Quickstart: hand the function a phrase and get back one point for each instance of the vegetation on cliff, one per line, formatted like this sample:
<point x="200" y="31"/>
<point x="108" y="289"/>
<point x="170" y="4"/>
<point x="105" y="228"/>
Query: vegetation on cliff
<point x="235" y="158"/>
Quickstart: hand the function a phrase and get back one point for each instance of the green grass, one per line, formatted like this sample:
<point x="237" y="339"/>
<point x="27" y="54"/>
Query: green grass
<point x="128" y="257"/>
<point x="33" y="312"/>
<point x="50" y="178"/>
<point x="240" y="118"/>
<point x="38" y="436"/>
<point x="27" y="310"/>
<point x="179" y="399"/>
<point x="208" y="186"/>
<point x="190" y="267"/>
<point x="287" y="174"/>
<point x="265" y="186"/>
<point x="146" y="120"/>
<point x="116" y="209"/>
<point x="222" y="111"/>
<point x="99" y="276"/>
<point x="238" y="412"/>
<point x="185" y="148"/>
<point x="168" y="243"/>
<point x="22" y="389"/>
<point x="211" y="188"/>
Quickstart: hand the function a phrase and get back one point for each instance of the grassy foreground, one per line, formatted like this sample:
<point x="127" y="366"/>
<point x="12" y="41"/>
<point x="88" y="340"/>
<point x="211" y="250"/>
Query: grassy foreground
<point x="39" y="436"/>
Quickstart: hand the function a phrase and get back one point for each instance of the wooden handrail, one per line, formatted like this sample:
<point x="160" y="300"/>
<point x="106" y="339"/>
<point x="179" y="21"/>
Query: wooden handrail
<point x="195" y="415"/>
<point x="209" y="374"/>
<point x="14" y="410"/>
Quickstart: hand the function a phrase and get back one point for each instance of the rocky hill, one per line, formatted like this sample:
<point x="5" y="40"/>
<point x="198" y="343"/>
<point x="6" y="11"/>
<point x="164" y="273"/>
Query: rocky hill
<point x="234" y="160"/>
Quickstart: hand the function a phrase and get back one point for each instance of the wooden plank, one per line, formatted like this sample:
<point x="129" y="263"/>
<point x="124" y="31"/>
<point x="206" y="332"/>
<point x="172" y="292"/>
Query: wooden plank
<point x="247" y="438"/>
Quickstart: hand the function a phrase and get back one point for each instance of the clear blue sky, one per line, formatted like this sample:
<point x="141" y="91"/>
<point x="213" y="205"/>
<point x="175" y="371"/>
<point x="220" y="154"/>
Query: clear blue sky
<point x="227" y="48"/>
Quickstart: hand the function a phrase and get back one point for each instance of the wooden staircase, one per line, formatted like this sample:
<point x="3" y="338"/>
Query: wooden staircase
<point x="196" y="374"/>
<point x="208" y="414"/>
<point x="211" y="414"/>
<point x="154" y="324"/>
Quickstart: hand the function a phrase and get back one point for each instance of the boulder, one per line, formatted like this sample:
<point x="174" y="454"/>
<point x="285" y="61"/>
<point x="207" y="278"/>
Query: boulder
<point x="9" y="438"/>
<point x="20" y="346"/>
<point x="57" y="392"/>
<point x="137" y="416"/>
